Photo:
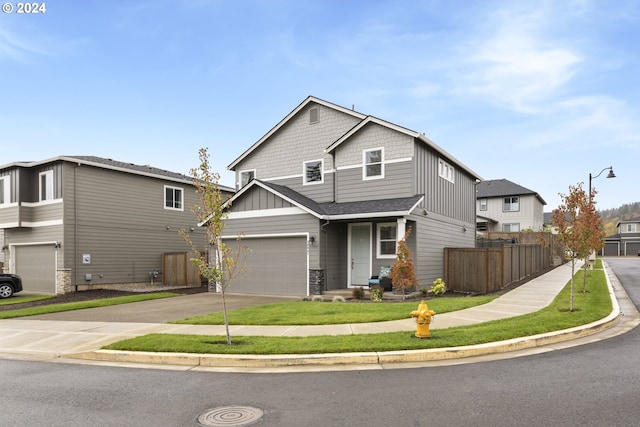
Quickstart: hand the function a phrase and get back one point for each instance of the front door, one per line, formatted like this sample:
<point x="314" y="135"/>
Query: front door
<point x="359" y="254"/>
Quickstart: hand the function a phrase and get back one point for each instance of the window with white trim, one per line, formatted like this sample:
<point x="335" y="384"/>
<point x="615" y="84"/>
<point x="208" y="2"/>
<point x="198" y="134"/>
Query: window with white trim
<point x="246" y="177"/>
<point x="313" y="173"/>
<point x="5" y="195"/>
<point x="631" y="228"/>
<point x="511" y="228"/>
<point x="387" y="239"/>
<point x="483" y="204"/>
<point x="446" y="171"/>
<point x="511" y="204"/>
<point x="373" y="163"/>
<point x="173" y="198"/>
<point x="46" y="186"/>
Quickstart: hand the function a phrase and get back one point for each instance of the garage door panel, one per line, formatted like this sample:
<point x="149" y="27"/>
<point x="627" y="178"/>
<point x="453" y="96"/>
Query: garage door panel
<point x="35" y="264"/>
<point x="274" y="266"/>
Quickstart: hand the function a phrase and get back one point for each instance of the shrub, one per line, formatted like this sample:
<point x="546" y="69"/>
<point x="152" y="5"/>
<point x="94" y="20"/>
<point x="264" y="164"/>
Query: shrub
<point x="438" y="287"/>
<point x="357" y="293"/>
<point x="376" y="293"/>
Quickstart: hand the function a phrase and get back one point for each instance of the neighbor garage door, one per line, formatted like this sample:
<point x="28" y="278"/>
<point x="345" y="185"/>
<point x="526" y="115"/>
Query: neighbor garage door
<point x="274" y="266"/>
<point x="36" y="265"/>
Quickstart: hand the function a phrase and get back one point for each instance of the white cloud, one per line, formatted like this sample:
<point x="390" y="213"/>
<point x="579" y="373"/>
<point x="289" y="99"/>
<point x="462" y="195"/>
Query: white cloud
<point x="511" y="61"/>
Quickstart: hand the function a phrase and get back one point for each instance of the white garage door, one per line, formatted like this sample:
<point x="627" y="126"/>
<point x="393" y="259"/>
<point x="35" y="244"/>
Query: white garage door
<point x="274" y="266"/>
<point x="36" y="266"/>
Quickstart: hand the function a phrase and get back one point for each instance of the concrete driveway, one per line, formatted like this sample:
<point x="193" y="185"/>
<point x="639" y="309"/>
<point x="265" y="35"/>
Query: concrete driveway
<point x="164" y="310"/>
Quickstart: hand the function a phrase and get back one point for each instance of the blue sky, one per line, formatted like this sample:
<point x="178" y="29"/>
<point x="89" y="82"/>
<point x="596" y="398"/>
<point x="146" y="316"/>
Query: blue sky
<point x="538" y="92"/>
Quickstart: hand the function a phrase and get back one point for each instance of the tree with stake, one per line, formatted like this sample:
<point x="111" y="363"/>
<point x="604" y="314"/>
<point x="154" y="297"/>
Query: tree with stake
<point x="573" y="221"/>
<point x="593" y="230"/>
<point x="217" y="262"/>
<point x="403" y="274"/>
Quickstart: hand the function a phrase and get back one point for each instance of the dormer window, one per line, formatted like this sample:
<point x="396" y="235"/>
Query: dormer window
<point x="313" y="173"/>
<point x="373" y="163"/>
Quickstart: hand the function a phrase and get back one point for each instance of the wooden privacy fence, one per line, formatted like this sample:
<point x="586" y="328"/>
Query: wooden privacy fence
<point x="178" y="270"/>
<point x="483" y="270"/>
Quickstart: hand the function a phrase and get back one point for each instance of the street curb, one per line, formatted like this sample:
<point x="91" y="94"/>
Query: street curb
<point x="363" y="358"/>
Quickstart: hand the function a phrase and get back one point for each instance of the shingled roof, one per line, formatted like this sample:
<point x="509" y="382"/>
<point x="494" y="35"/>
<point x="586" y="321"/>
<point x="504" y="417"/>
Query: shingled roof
<point x="502" y="188"/>
<point x="333" y="211"/>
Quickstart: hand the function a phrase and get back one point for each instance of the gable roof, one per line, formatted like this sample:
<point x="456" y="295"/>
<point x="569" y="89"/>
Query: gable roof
<point x="333" y="211"/>
<point x="503" y="187"/>
<point x="364" y="120"/>
<point x="627" y="221"/>
<point x="281" y="123"/>
<point x="417" y="135"/>
<point x="105" y="163"/>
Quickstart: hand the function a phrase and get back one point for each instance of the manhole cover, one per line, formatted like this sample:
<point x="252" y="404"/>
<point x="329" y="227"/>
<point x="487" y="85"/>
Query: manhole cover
<point x="230" y="416"/>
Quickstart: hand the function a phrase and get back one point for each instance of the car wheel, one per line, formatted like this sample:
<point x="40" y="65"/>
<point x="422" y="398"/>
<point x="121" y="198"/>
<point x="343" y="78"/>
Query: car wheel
<point x="5" y="290"/>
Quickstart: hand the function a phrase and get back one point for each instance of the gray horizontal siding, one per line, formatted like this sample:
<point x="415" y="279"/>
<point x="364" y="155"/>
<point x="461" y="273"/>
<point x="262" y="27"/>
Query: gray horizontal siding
<point x="119" y="219"/>
<point x="397" y="182"/>
<point x="319" y="192"/>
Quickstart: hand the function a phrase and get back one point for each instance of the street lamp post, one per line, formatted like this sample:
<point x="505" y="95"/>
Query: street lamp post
<point x="610" y="175"/>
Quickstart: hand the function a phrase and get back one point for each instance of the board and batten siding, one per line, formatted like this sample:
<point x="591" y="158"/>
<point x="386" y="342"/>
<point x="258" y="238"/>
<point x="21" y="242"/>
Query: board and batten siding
<point x="119" y="220"/>
<point x="434" y="233"/>
<point x="298" y="141"/>
<point x="455" y="200"/>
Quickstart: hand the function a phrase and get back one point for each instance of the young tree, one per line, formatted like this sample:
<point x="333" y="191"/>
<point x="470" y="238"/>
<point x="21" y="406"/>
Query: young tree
<point x="403" y="274"/>
<point x="579" y="228"/>
<point x="217" y="262"/>
<point x="593" y="230"/>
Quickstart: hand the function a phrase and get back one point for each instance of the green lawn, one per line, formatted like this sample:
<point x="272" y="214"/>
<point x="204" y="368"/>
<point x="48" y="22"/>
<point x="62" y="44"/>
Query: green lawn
<point x="331" y="313"/>
<point x="590" y="306"/>
<point x="57" y="308"/>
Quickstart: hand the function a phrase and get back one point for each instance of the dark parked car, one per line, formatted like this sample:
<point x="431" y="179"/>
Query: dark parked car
<point x="9" y="285"/>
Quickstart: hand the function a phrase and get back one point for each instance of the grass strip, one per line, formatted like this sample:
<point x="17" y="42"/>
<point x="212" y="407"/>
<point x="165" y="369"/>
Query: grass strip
<point x="20" y="300"/>
<point x="330" y="313"/>
<point x="593" y="305"/>
<point x="80" y="305"/>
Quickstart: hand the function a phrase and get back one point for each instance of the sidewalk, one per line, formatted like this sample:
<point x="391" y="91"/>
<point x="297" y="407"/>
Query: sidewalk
<point x="45" y="339"/>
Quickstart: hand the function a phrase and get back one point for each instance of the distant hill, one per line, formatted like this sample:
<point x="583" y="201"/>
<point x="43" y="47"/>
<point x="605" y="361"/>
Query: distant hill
<point x="610" y="217"/>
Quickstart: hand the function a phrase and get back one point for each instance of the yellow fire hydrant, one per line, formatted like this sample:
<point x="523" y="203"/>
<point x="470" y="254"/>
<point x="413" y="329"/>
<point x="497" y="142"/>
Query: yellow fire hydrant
<point x="423" y="319"/>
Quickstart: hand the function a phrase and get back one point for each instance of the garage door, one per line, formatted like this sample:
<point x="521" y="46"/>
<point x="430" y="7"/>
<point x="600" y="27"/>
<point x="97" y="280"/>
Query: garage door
<point x="632" y="248"/>
<point x="611" y="249"/>
<point x="36" y="265"/>
<point x="274" y="266"/>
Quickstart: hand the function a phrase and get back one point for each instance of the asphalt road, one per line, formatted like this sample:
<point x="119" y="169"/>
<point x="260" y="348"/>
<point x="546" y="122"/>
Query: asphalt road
<point x="592" y="385"/>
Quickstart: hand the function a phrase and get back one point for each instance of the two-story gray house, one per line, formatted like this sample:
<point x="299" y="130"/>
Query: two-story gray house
<point x="323" y="198"/>
<point x="505" y="206"/>
<point x="627" y="241"/>
<point x="74" y="222"/>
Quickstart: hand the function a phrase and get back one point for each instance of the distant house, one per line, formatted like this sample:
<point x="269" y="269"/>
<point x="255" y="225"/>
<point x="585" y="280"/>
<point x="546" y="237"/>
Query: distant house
<point x="627" y="241"/>
<point x="508" y="207"/>
<point x="325" y="195"/>
<point x="77" y="221"/>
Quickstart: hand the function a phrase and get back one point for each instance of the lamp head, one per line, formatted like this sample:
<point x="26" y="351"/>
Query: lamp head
<point x="611" y="174"/>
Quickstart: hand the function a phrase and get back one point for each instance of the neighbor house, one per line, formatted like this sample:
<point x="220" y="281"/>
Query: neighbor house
<point x="504" y="206"/>
<point x="323" y="198"/>
<point x="81" y="221"/>
<point x="627" y="241"/>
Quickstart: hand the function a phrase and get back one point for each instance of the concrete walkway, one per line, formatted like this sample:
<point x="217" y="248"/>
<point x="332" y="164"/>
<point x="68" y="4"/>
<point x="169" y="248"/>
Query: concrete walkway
<point x="27" y="338"/>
